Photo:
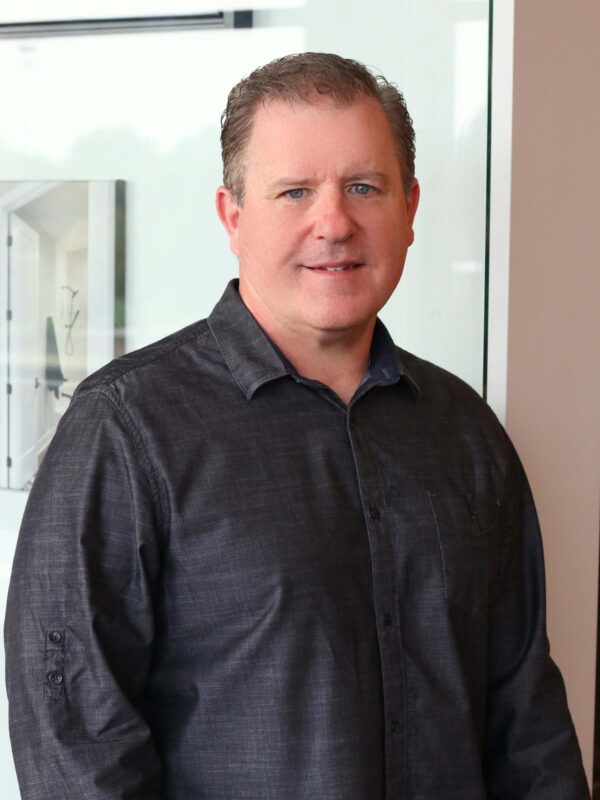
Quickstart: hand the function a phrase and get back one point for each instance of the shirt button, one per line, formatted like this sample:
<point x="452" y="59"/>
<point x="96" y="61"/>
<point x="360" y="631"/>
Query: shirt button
<point x="374" y="513"/>
<point x="387" y="619"/>
<point x="55" y="678"/>
<point x="395" y="726"/>
<point x="55" y="637"/>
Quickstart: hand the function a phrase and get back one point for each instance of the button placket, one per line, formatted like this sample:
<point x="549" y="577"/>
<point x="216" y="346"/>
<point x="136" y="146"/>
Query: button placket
<point x="384" y="599"/>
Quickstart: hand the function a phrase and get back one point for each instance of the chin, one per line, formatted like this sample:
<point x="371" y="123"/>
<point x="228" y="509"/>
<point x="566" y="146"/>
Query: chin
<point x="339" y="322"/>
<point x="338" y="316"/>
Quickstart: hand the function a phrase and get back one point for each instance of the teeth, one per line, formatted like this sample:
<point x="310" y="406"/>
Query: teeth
<point x="337" y="269"/>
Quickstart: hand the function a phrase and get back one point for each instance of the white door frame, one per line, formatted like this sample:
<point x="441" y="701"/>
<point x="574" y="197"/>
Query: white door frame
<point x="26" y="350"/>
<point x="10" y="201"/>
<point x="4" y="347"/>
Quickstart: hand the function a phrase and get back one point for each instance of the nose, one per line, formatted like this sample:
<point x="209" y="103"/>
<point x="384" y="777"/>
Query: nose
<point x="334" y="220"/>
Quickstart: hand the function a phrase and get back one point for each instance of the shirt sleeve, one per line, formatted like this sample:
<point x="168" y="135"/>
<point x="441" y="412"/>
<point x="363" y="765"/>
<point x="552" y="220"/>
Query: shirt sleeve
<point x="531" y="750"/>
<point x="79" y="622"/>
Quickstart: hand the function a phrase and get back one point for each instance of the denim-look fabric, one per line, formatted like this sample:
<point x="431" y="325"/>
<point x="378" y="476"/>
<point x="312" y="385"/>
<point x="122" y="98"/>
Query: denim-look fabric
<point x="229" y="586"/>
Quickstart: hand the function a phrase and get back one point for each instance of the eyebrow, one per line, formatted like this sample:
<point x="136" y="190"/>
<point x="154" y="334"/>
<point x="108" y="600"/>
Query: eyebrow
<point x="286" y="183"/>
<point x="356" y="177"/>
<point x="369" y="175"/>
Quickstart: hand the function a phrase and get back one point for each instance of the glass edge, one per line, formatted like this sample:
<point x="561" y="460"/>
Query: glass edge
<point x="486" y="283"/>
<point x="120" y="267"/>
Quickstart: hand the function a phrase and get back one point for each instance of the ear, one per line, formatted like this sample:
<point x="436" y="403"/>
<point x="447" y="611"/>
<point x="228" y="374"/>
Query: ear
<point x="229" y="214"/>
<point x="412" y="202"/>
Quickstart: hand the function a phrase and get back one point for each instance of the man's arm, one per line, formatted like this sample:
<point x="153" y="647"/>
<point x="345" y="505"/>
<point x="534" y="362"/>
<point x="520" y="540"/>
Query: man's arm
<point x="79" y="622"/>
<point x="531" y="747"/>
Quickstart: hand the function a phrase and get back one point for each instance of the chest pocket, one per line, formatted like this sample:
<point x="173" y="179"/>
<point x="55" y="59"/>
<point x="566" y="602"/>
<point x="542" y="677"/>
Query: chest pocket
<point x="469" y="536"/>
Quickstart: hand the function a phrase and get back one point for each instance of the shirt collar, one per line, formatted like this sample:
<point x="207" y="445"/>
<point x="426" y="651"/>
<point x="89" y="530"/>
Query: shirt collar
<point x="253" y="360"/>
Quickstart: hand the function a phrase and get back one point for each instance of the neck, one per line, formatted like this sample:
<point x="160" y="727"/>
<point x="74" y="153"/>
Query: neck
<point x="338" y="359"/>
<point x="341" y="365"/>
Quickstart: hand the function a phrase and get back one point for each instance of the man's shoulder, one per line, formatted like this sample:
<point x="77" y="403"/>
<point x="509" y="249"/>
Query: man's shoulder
<point x="443" y="392"/>
<point x="454" y="418"/>
<point x="429" y="376"/>
<point x="150" y="364"/>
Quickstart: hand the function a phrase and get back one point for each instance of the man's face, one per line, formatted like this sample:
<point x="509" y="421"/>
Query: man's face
<point x="325" y="223"/>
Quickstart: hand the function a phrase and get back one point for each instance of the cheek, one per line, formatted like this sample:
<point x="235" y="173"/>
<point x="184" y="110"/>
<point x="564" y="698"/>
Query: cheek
<point x="271" y="246"/>
<point x="250" y="237"/>
<point x="259" y="254"/>
<point x="395" y="240"/>
<point x="234" y="243"/>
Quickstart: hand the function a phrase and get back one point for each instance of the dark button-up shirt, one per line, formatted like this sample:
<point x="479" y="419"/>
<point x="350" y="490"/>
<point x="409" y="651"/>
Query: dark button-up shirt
<point x="231" y="586"/>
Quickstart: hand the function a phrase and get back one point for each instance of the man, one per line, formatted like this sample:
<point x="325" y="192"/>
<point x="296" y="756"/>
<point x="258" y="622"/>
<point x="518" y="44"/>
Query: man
<point x="273" y="556"/>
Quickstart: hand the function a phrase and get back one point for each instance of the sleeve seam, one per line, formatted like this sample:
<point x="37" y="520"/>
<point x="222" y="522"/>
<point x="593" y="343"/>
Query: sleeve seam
<point x="146" y="464"/>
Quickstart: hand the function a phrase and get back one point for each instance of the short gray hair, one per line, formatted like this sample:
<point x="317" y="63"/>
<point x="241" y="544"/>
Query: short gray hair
<point x="304" y="77"/>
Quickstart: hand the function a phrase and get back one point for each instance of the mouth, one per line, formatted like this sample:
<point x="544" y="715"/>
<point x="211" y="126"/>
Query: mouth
<point x="339" y="267"/>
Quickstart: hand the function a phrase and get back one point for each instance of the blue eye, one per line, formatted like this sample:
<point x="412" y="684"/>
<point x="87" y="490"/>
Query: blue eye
<point x="294" y="194"/>
<point x="362" y="188"/>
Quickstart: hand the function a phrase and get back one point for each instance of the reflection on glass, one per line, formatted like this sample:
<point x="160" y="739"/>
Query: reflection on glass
<point x="147" y="106"/>
<point x="57" y="272"/>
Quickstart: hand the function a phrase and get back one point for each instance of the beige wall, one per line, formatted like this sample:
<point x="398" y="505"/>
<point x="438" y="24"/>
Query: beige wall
<point x="553" y="380"/>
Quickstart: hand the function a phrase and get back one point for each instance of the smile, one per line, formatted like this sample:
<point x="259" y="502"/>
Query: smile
<point x="336" y="267"/>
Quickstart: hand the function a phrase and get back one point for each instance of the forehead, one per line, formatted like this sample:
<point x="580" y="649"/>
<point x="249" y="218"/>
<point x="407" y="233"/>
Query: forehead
<point x="320" y="133"/>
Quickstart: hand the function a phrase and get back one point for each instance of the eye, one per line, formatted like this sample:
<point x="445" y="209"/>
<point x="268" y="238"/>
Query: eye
<point x="294" y="194"/>
<point x="362" y="189"/>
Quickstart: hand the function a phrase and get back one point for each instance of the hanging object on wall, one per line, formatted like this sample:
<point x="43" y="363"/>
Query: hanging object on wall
<point x="53" y="373"/>
<point x="63" y="241"/>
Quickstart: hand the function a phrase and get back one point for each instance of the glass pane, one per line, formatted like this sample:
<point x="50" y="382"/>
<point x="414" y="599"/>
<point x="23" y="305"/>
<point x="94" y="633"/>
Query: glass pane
<point x="144" y="108"/>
